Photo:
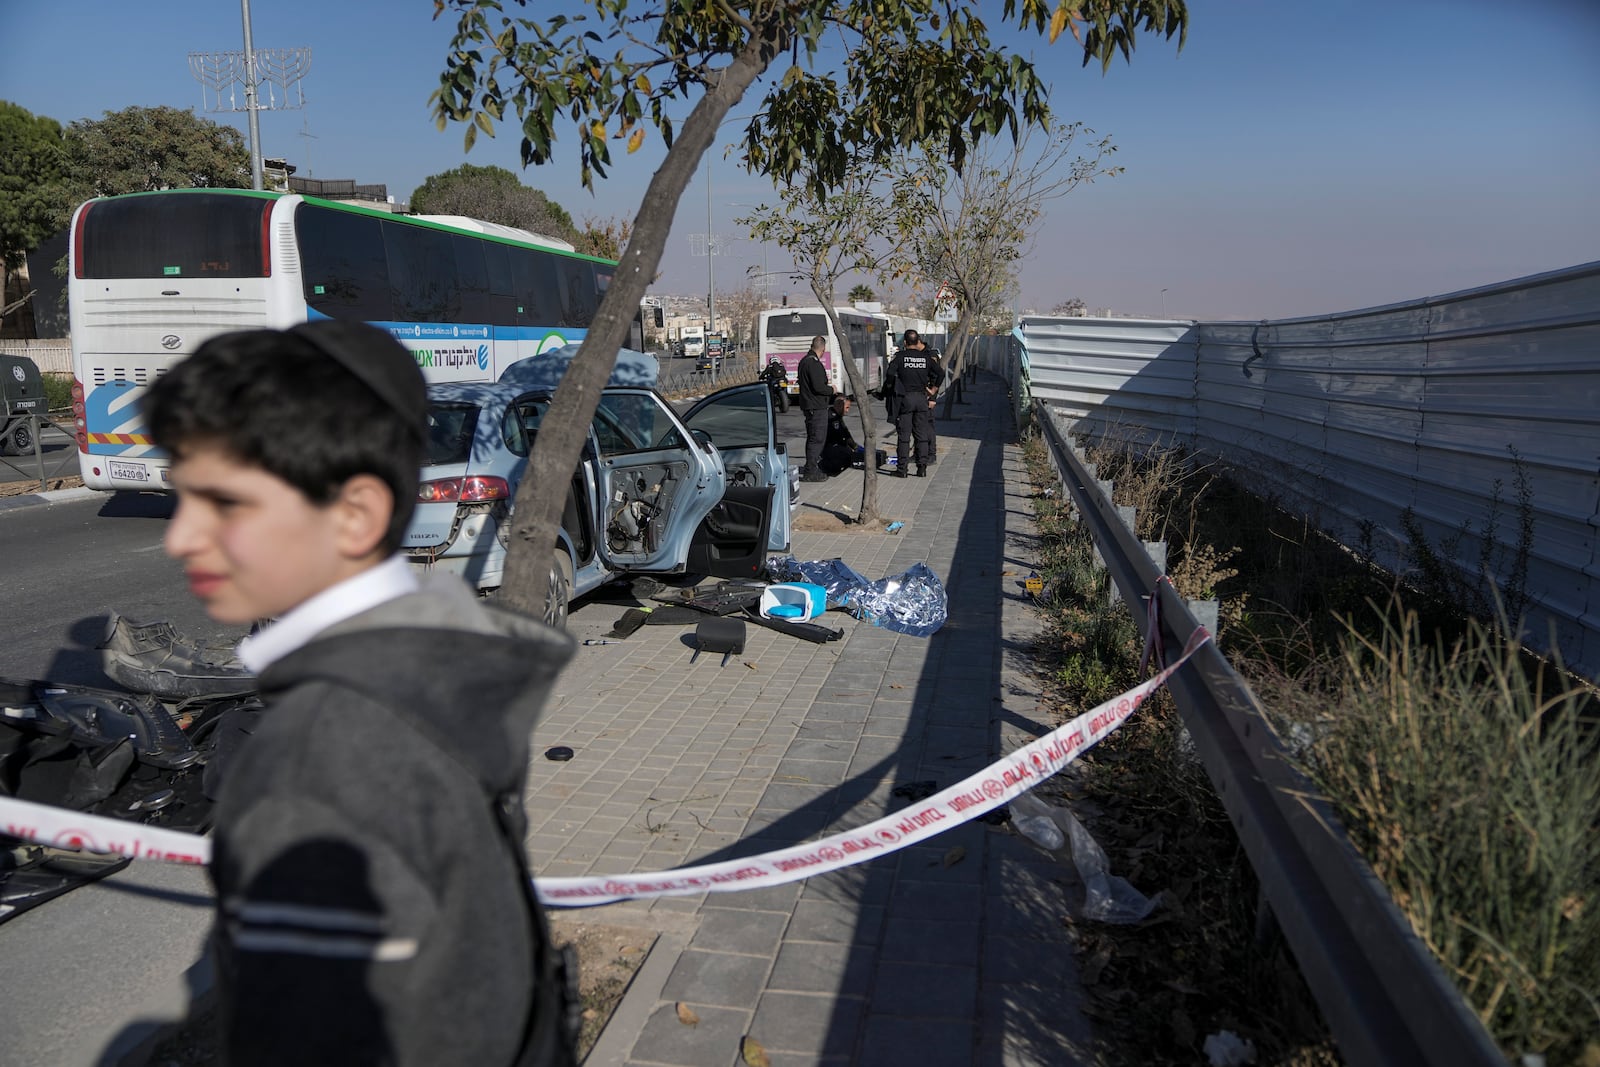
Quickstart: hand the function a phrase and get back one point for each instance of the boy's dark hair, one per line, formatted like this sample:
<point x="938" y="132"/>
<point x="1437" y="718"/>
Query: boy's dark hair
<point x="314" y="405"/>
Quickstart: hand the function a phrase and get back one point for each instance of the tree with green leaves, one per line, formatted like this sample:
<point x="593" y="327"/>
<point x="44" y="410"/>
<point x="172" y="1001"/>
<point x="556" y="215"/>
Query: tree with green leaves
<point x="144" y="149"/>
<point x="862" y="294"/>
<point x="827" y="239"/>
<point x="605" y="238"/>
<point x="904" y="72"/>
<point x="32" y="184"/>
<point x="970" y="230"/>
<point x="493" y="194"/>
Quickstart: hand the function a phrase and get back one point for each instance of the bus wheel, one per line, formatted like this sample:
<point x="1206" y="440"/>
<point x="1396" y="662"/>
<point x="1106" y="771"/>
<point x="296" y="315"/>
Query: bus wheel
<point x="559" y="598"/>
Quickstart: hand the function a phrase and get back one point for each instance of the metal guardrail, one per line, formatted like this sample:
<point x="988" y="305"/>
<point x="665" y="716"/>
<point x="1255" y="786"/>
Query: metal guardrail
<point x="734" y="370"/>
<point x="1383" y="994"/>
<point x="65" y="464"/>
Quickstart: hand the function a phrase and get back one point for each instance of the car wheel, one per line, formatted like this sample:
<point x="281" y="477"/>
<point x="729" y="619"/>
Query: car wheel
<point x="21" y="440"/>
<point x="559" y="598"/>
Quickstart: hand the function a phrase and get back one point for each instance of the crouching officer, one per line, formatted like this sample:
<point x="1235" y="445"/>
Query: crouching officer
<point x="915" y="374"/>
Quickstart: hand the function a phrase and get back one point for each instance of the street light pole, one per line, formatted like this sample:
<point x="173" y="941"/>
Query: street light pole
<point x="1163" y="303"/>
<point x="250" y="99"/>
<point x="711" y="257"/>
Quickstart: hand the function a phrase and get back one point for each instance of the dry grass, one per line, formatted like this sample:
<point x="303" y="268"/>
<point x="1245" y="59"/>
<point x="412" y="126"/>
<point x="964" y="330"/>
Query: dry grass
<point x="1467" y="772"/>
<point x="1157" y="989"/>
<point x="35" y="486"/>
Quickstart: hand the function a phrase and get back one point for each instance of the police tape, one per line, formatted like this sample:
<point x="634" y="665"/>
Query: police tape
<point x="969" y="798"/>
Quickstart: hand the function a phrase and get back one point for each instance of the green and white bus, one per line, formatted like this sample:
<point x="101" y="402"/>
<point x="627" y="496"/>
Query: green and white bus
<point x="153" y="275"/>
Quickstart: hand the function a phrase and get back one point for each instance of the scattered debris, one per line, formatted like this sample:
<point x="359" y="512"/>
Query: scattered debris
<point x="719" y="635"/>
<point x="752" y="1053"/>
<point x="154" y="658"/>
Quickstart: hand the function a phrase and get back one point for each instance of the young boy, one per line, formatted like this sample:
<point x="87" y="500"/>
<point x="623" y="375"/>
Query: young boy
<point x="373" y="897"/>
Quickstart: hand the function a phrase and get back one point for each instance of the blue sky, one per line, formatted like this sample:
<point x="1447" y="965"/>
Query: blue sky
<point x="1298" y="157"/>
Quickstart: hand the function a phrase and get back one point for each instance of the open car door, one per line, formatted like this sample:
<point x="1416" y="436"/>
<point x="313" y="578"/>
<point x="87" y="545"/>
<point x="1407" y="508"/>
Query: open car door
<point x="752" y="518"/>
<point x="654" y="483"/>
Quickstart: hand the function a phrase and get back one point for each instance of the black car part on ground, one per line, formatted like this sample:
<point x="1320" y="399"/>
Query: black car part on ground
<point x="719" y="634"/>
<point x="728" y="598"/>
<point x="117" y="754"/>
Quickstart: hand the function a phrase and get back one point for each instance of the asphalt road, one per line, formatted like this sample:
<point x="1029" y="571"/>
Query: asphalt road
<point x="102" y="966"/>
<point x="56" y="452"/>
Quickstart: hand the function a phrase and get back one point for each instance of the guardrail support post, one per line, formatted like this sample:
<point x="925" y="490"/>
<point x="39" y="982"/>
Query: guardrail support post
<point x="1204" y="612"/>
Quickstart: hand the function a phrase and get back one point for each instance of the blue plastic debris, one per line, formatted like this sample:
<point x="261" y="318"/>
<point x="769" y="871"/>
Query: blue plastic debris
<point x="912" y="602"/>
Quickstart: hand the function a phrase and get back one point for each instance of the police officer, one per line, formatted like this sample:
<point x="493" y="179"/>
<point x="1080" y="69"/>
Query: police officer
<point x="915" y="375"/>
<point x="816" y="395"/>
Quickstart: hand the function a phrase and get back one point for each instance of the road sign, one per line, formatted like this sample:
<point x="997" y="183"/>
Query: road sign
<point x="946" y="313"/>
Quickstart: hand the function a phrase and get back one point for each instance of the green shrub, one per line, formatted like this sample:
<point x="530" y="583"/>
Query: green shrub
<point x="58" y="389"/>
<point x="1469" y="778"/>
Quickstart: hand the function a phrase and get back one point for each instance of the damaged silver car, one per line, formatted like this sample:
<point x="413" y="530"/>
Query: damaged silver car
<point x="654" y="493"/>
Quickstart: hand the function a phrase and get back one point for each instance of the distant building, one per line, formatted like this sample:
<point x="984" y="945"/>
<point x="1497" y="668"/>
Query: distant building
<point x="346" y="189"/>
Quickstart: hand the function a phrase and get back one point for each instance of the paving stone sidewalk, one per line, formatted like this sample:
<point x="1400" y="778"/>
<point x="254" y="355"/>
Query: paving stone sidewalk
<point x="919" y="957"/>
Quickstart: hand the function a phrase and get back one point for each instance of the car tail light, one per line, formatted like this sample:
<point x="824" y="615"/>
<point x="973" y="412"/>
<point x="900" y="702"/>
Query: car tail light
<point x="472" y="489"/>
<point x="80" y="421"/>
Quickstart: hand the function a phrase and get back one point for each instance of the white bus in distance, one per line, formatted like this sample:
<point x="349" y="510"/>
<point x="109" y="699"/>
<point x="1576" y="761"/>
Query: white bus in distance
<point x="786" y="333"/>
<point x="153" y="275"/>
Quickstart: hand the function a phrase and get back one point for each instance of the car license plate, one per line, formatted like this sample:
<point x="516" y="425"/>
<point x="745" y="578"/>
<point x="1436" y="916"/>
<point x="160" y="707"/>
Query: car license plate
<point x="132" y="472"/>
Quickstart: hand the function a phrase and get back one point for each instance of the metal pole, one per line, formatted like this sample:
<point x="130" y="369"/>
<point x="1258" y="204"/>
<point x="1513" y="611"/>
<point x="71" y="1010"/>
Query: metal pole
<point x="711" y="272"/>
<point x="250" y="99"/>
<point x="711" y="269"/>
<point x="1163" y="303"/>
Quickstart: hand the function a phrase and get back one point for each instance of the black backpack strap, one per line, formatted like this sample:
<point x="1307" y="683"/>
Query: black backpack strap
<point x="549" y="1037"/>
<point x="550" y="1034"/>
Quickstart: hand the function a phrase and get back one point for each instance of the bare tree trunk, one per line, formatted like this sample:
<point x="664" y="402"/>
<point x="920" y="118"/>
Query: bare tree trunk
<point x="957" y="360"/>
<point x="868" y="515"/>
<point x="542" y="492"/>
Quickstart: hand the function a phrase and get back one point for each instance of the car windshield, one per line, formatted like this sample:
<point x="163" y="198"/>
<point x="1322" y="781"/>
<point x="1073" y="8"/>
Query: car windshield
<point x="450" y="430"/>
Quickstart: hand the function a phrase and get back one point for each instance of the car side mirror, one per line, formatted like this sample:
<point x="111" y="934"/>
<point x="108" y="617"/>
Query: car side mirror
<point x="703" y="439"/>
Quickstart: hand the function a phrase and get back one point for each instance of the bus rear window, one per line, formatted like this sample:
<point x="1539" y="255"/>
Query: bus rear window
<point x="797" y="325"/>
<point x="176" y="235"/>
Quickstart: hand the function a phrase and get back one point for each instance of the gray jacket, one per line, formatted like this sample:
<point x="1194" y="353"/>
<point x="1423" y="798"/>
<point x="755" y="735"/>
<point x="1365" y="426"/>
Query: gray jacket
<point x="373" y="901"/>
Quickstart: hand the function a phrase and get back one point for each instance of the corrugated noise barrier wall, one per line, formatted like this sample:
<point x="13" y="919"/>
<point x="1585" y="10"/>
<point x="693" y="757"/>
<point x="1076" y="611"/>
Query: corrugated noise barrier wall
<point x="1471" y="420"/>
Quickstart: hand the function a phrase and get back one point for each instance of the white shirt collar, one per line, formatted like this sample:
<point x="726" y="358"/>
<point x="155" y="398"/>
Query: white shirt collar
<point x="376" y="585"/>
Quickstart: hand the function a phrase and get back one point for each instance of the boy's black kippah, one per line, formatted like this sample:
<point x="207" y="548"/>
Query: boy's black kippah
<point x="381" y="362"/>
